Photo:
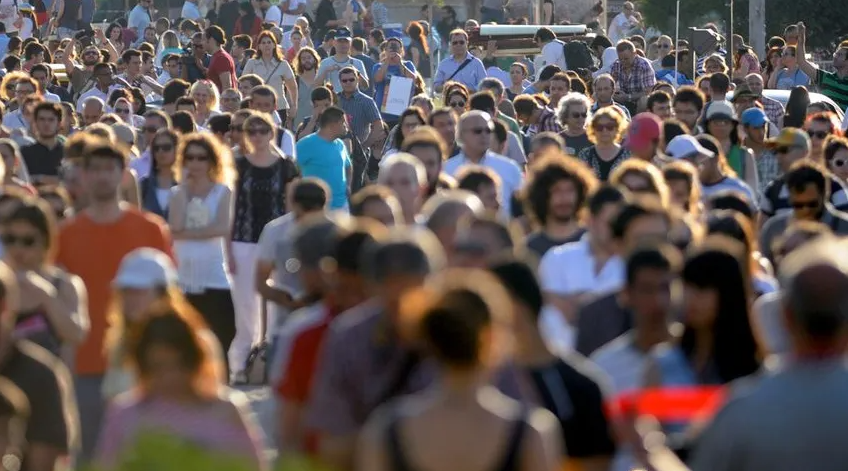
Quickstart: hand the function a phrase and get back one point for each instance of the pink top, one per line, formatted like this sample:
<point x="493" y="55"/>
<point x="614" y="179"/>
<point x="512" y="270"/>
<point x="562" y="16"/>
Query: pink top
<point x="215" y="426"/>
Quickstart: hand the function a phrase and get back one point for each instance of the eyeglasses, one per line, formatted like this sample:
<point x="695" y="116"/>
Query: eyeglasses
<point x="817" y="134"/>
<point x="10" y="240"/>
<point x="89" y="53"/>
<point x="579" y="115"/>
<point x="122" y="111"/>
<point x="199" y="45"/>
<point x="782" y="150"/>
<point x="805" y="204"/>
<point x="196" y="158"/>
<point x="479" y="131"/>
<point x="150" y="129"/>
<point x="347" y="80"/>
<point x="663" y="46"/>
<point x="162" y="147"/>
<point x="457" y="104"/>
<point x="258" y="131"/>
<point x="605" y="127"/>
<point x="457" y="43"/>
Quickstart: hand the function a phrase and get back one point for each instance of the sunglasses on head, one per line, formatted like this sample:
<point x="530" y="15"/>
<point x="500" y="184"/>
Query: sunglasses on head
<point x="10" y="240"/>
<point x="818" y="134"/>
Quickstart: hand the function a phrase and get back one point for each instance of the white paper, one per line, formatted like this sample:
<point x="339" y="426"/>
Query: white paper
<point x="398" y="95"/>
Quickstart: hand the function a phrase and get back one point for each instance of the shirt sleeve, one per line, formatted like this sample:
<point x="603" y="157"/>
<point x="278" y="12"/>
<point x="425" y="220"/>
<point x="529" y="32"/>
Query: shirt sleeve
<point x="331" y="410"/>
<point x="550" y="276"/>
<point x="265" y="246"/>
<point x="288" y="73"/>
<point x="440" y="76"/>
<point x="373" y="113"/>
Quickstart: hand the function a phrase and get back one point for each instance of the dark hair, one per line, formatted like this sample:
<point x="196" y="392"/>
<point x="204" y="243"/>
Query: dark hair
<point x="37" y="213"/>
<point x="216" y="34"/>
<point x="472" y="176"/>
<point x="732" y="200"/>
<point x="719" y="265"/>
<point x="483" y="101"/>
<point x="544" y="34"/>
<point x="40" y="68"/>
<point x="321" y="93"/>
<point x="500" y="131"/>
<point x="119" y="93"/>
<point x="32" y="49"/>
<point x="346" y="254"/>
<point x="662" y="257"/>
<point x="331" y="115"/>
<point x="103" y="149"/>
<point x="416" y="32"/>
<point x="657" y="98"/>
<point x="601" y="41"/>
<point x="183" y="122"/>
<point x="719" y="81"/>
<point x="11" y="62"/>
<point x="673" y="127"/>
<point x="159" y="114"/>
<point x="220" y="124"/>
<point x="604" y="195"/>
<point x="129" y="54"/>
<point x="690" y="94"/>
<point x="349" y="70"/>
<point x="546" y="138"/>
<point x="804" y="173"/>
<point x="173" y="90"/>
<point x="368" y="195"/>
<point x="163" y="325"/>
<point x="832" y="145"/>
<point x="310" y="193"/>
<point x="635" y="209"/>
<point x="186" y="101"/>
<point x="520" y="280"/>
<point x="796" y="107"/>
<point x="242" y="40"/>
<point x="359" y="44"/>
<point x="50" y="107"/>
<point x="547" y="172"/>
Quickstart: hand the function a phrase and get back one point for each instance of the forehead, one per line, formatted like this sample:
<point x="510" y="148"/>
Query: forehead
<point x="474" y="120"/>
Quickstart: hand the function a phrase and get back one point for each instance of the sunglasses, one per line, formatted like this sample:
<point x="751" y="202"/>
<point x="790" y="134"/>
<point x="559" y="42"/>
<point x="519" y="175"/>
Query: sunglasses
<point x="10" y="240"/>
<point x="579" y="115"/>
<point x="663" y="46"/>
<point x="457" y="43"/>
<point x="347" y="80"/>
<point x="122" y="111"/>
<point x="196" y="158"/>
<point x="782" y="150"/>
<point x="197" y="45"/>
<point x="150" y="129"/>
<point x="162" y="147"/>
<point x="258" y="131"/>
<point x="805" y="204"/>
<point x="818" y="134"/>
<point x="605" y="127"/>
<point x="479" y="131"/>
<point x="457" y="104"/>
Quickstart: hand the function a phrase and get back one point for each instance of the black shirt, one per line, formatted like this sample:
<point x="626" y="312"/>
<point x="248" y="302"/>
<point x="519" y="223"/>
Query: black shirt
<point x="41" y="161"/>
<point x="539" y="242"/>
<point x="324" y="13"/>
<point x="574" y="144"/>
<point x="227" y="17"/>
<point x="571" y="390"/>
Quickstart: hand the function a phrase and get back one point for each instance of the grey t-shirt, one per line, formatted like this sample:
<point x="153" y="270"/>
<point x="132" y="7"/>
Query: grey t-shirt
<point x="276" y="245"/>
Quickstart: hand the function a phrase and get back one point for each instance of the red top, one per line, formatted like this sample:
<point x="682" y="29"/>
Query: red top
<point x="255" y="28"/>
<point x="222" y="62"/>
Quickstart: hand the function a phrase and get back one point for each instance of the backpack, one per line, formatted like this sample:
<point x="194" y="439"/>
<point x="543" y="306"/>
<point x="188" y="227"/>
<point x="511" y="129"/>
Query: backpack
<point x="578" y="55"/>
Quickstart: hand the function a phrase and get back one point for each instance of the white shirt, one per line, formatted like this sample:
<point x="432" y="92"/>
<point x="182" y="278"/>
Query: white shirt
<point x="274" y="15"/>
<point x="15" y="120"/>
<point x="164" y="77"/>
<point x="620" y="27"/>
<point x="190" y="11"/>
<point x="94" y="91"/>
<point x="506" y="168"/>
<point x="288" y="20"/>
<point x="201" y="263"/>
<point x="570" y="270"/>
<point x="552" y="53"/>
<point x="52" y="97"/>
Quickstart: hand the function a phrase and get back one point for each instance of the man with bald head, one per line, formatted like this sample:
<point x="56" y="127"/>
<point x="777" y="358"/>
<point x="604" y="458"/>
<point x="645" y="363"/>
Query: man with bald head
<point x="92" y="110"/>
<point x="475" y="137"/>
<point x="773" y="108"/>
<point x="442" y="213"/>
<point x="791" y="416"/>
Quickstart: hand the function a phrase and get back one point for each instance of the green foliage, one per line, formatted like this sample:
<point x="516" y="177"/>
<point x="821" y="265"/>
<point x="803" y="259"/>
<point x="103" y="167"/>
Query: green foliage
<point x="825" y="27"/>
<point x="163" y="452"/>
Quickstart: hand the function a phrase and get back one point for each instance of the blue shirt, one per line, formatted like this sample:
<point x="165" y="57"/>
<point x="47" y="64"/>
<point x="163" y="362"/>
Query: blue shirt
<point x="368" y="62"/>
<point x="4" y="44"/>
<point x="328" y="161"/>
<point x="380" y="87"/>
<point x="470" y="75"/>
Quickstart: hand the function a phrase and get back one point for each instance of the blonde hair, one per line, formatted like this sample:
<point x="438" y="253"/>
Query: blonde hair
<point x="221" y="163"/>
<point x="611" y="113"/>
<point x="647" y="170"/>
<point x="213" y="92"/>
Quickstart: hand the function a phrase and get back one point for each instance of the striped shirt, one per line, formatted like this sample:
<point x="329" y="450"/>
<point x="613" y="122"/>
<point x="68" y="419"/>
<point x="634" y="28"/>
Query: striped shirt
<point x="833" y="87"/>
<point x="361" y="111"/>
<point x="775" y="198"/>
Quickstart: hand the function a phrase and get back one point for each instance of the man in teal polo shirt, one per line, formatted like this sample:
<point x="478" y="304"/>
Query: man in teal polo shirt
<point x="323" y="155"/>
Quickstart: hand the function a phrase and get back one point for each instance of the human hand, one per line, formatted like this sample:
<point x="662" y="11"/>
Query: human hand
<point x="34" y="288"/>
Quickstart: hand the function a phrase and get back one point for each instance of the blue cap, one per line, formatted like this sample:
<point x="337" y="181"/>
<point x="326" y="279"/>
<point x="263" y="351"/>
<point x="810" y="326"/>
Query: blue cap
<point x="343" y="33"/>
<point x="754" y="117"/>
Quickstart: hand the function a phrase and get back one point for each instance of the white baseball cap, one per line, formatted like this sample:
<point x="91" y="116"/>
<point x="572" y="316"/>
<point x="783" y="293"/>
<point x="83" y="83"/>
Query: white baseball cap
<point x="684" y="146"/>
<point x="145" y="268"/>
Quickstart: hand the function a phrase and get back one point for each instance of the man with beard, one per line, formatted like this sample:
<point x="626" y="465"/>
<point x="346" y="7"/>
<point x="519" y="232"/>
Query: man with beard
<point x="604" y="88"/>
<point x="89" y="248"/>
<point x="557" y="189"/>
<point x="44" y="157"/>
<point x="80" y="75"/>
<point x="306" y="67"/>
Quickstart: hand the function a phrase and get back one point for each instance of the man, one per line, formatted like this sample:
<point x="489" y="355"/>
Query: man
<point x="359" y="48"/>
<point x="773" y="108"/>
<point x="154" y="120"/>
<point x="331" y="66"/>
<point x="755" y="417"/>
<point x="222" y="68"/>
<point x="194" y="66"/>
<point x="241" y="43"/>
<point x="555" y="193"/>
<point x="666" y="72"/>
<point x="494" y="86"/>
<point x="327" y="47"/>
<point x="790" y="146"/>
<point x="44" y="158"/>
<point x="322" y="98"/>
<point x="105" y="82"/>
<point x="809" y="190"/>
<point x="647" y="294"/>
<point x="623" y="23"/>
<point x="460" y="66"/>
<point x="560" y="85"/>
<point x="134" y="75"/>
<point x="792" y="35"/>
<point x="303" y="23"/>
<point x="553" y="51"/>
<point x="485" y="102"/>
<point x="323" y="155"/>
<point x="574" y="273"/>
<point x="644" y="136"/>
<point x="270" y="13"/>
<point x="48" y="410"/>
<point x="80" y="75"/>
<point x="88" y="248"/>
<point x="139" y="17"/>
<point x="24" y="88"/>
<point x="719" y="87"/>
<point x="42" y="74"/>
<point x="291" y="10"/>
<point x="230" y="100"/>
<point x="603" y="88"/>
<point x="361" y="110"/>
<point x="659" y="103"/>
<point x="93" y="109"/>
<point x="363" y="354"/>
<point x="475" y="133"/>
<point x="688" y="103"/>
<point x="191" y="11"/>
<point x="756" y="126"/>
<point x="483" y="182"/>
<point x="833" y="85"/>
<point x="443" y="120"/>
<point x="390" y="66"/>
<point x="379" y="203"/>
<point x="170" y="69"/>
<point x="633" y="74"/>
<point x="531" y="113"/>
<point x="443" y="212"/>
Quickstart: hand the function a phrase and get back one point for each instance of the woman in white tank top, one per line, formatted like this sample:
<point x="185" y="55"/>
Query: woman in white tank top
<point x="200" y="216"/>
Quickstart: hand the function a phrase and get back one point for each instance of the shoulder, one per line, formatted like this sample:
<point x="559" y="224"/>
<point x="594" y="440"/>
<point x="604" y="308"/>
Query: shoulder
<point x="38" y="362"/>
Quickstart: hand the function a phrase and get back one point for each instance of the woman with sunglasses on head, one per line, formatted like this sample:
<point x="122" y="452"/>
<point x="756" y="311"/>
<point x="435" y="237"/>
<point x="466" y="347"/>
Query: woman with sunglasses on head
<point x="605" y="153"/>
<point x="200" y="218"/>
<point x="819" y="127"/>
<point x="452" y="87"/>
<point x="156" y="186"/>
<point x="15" y="172"/>
<point x="53" y="311"/>
<point x="265" y="176"/>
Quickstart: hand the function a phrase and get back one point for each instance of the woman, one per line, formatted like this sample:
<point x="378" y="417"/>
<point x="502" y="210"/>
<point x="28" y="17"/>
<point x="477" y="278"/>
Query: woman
<point x="270" y="64"/>
<point x="796" y="108"/>
<point x="176" y="394"/>
<point x="264" y="176"/>
<point x="296" y="38"/>
<point x="418" y="50"/>
<point x="714" y="64"/>
<point x="457" y="98"/>
<point x="836" y="157"/>
<point x="734" y="225"/>
<point x="789" y="75"/>
<point x="467" y="327"/>
<point x="200" y="220"/>
<point x="306" y="64"/>
<point x="69" y="122"/>
<point x="745" y="61"/>
<point x="819" y="127"/>
<point x="772" y="64"/>
<point x="26" y="23"/>
<point x="605" y="153"/>
<point x="641" y="178"/>
<point x="518" y="74"/>
<point x="411" y="119"/>
<point x="15" y="174"/>
<point x="721" y="123"/>
<point x="169" y="43"/>
<point x="684" y="187"/>
<point x="53" y="311"/>
<point x="206" y="99"/>
<point x="124" y="109"/>
<point x="248" y="22"/>
<point x="156" y="186"/>
<point x="572" y="113"/>
<point x="406" y="176"/>
<point x="115" y="35"/>
<point x="702" y="83"/>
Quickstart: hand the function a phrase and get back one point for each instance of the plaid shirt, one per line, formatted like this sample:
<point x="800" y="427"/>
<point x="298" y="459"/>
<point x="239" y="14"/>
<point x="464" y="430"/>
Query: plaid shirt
<point x="641" y="77"/>
<point x="767" y="169"/>
<point x="774" y="110"/>
<point x="547" y="122"/>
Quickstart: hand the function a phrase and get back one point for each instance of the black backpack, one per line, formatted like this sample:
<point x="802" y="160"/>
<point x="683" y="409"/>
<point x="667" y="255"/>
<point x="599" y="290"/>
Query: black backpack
<point x="578" y="55"/>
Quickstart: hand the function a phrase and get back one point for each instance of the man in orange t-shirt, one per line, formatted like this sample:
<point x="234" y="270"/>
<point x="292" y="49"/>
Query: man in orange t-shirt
<point x="91" y="246"/>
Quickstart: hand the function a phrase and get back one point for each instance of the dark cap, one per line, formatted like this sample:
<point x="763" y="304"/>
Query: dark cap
<point x="343" y="33"/>
<point x="330" y="34"/>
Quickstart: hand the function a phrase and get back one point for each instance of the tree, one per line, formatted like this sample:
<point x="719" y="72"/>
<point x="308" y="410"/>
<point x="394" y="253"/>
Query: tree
<point x="825" y="28"/>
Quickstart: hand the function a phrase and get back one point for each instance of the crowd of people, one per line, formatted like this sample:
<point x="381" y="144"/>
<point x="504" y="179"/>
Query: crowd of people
<point x="633" y="264"/>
